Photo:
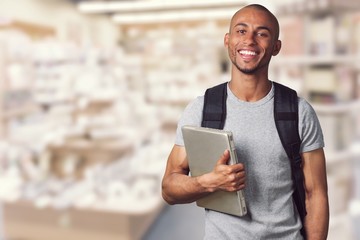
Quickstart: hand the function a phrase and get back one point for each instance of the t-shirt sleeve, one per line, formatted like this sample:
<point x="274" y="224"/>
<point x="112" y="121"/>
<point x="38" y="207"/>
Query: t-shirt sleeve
<point x="309" y="128"/>
<point x="192" y="115"/>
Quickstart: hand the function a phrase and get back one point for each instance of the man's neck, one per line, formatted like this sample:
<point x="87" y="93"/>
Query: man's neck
<point x="250" y="88"/>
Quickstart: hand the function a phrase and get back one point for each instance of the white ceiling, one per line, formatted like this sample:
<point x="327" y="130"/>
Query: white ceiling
<point x="137" y="11"/>
<point x="181" y="4"/>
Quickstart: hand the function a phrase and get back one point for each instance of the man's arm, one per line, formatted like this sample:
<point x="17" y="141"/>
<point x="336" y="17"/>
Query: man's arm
<point x="179" y="187"/>
<point x="317" y="205"/>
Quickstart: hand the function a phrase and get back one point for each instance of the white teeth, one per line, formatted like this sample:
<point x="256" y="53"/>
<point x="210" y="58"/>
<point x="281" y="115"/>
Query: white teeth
<point x="246" y="52"/>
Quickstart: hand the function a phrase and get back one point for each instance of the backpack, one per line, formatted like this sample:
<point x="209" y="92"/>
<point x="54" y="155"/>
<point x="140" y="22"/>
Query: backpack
<point x="286" y="121"/>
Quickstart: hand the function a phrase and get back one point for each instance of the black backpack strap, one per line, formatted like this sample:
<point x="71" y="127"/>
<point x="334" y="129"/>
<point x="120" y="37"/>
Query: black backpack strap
<point x="286" y="120"/>
<point x="214" y="111"/>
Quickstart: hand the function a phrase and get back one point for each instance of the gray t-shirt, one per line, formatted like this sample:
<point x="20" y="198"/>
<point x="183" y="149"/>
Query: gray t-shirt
<point x="268" y="191"/>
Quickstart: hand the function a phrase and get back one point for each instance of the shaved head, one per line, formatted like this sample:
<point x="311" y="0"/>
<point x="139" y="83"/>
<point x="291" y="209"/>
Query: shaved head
<point x="261" y="8"/>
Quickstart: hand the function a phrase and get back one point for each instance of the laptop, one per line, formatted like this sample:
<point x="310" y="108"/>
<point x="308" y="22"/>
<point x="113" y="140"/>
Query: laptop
<point x="203" y="147"/>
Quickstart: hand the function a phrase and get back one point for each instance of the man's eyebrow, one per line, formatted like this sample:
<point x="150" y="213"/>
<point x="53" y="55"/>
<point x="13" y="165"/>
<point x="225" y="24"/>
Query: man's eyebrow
<point x="258" y="28"/>
<point x="264" y="28"/>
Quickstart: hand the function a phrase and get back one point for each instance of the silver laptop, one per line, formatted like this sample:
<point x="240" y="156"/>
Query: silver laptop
<point x="203" y="147"/>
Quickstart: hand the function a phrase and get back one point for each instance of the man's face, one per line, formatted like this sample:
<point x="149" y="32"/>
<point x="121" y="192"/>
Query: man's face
<point x="252" y="40"/>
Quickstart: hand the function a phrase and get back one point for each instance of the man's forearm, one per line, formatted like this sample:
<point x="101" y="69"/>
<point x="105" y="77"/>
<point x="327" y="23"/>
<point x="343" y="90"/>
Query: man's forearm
<point x="317" y="218"/>
<point x="179" y="188"/>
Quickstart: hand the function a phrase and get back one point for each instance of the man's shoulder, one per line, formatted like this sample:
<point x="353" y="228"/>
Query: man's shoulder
<point x="195" y="105"/>
<point x="199" y="100"/>
<point x="304" y="104"/>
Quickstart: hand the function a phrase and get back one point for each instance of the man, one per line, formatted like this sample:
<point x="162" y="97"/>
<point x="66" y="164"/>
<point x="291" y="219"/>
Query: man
<point x="251" y="42"/>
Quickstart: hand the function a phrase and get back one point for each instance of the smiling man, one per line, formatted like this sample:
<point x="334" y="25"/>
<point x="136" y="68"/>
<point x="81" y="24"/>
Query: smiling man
<point x="264" y="172"/>
<point x="246" y="29"/>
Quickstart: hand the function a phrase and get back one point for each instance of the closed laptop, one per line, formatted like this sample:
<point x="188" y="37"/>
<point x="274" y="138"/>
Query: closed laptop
<point x="204" y="146"/>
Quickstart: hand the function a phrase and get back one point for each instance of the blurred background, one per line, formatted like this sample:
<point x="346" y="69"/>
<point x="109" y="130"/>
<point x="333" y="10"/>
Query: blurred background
<point x="91" y="92"/>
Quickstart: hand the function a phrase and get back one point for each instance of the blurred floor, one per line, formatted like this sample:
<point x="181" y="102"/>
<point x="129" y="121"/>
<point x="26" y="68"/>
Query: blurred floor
<point x="178" y="222"/>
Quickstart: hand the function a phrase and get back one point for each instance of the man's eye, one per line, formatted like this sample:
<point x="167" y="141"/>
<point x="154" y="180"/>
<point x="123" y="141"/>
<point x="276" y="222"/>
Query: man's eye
<point x="241" y="31"/>
<point x="262" y="34"/>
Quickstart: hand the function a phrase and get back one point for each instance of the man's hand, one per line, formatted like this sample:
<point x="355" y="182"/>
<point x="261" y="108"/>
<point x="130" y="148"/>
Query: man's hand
<point x="225" y="177"/>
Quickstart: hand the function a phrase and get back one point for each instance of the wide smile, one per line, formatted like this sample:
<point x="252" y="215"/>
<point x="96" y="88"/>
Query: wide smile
<point x="247" y="54"/>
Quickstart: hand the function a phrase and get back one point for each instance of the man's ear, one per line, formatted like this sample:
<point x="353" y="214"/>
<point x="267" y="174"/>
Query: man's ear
<point x="226" y="40"/>
<point x="276" y="48"/>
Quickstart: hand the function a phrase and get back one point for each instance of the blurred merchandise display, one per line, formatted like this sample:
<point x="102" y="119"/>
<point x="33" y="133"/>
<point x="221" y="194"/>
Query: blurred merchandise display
<point x="86" y="128"/>
<point x="77" y="143"/>
<point x="125" y="189"/>
<point x="326" y="72"/>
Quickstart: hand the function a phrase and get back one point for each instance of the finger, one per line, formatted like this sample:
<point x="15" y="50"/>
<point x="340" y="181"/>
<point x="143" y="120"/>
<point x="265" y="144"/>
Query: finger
<point x="224" y="159"/>
<point x="239" y="167"/>
<point x="238" y="178"/>
<point x="236" y="188"/>
<point x="241" y="187"/>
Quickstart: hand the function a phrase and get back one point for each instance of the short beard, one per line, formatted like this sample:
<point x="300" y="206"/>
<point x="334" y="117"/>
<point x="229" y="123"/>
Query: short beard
<point x="245" y="70"/>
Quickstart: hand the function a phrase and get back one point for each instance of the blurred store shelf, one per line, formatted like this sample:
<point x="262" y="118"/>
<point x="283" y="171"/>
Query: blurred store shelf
<point x="310" y="60"/>
<point x="82" y="98"/>
<point x="338" y="108"/>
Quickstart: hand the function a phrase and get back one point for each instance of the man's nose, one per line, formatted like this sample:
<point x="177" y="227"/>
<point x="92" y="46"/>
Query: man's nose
<point x="249" y="39"/>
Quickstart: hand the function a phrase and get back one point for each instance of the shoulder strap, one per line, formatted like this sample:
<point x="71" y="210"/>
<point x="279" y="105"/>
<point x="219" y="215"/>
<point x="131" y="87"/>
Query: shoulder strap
<point x="214" y="110"/>
<point x="286" y="121"/>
